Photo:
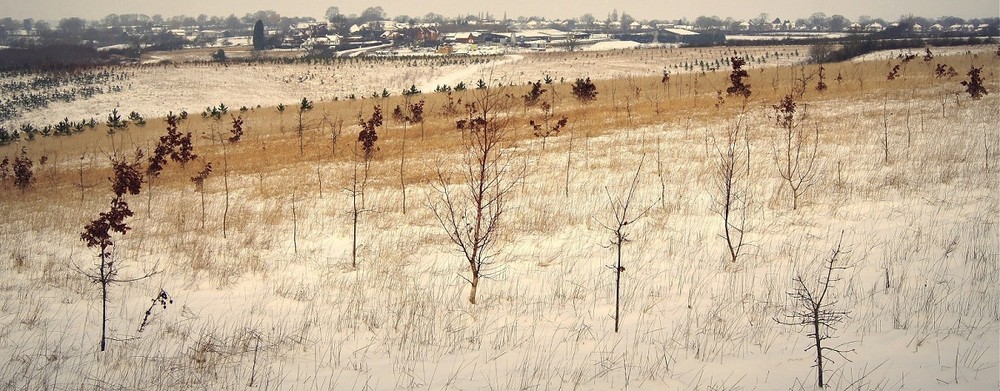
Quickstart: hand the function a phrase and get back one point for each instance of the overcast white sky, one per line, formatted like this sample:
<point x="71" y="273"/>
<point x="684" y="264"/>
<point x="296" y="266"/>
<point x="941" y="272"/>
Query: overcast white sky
<point x="640" y="9"/>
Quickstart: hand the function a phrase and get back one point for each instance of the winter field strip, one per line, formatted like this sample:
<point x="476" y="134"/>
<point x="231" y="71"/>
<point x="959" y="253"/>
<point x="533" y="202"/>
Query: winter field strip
<point x="264" y="294"/>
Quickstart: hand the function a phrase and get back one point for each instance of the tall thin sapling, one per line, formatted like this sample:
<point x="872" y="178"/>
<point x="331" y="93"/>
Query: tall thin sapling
<point x="472" y="216"/>
<point x="625" y="214"/>
<point x="127" y="180"/>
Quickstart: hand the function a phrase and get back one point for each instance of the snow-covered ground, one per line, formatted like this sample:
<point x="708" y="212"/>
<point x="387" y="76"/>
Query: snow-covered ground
<point x="274" y="304"/>
<point x="895" y="54"/>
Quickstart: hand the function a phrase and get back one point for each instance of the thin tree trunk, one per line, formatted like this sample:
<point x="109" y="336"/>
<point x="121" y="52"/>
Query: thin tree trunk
<point x="225" y="183"/>
<point x="819" y="349"/>
<point x="319" y="180"/>
<point x="104" y="300"/>
<point x="475" y="285"/>
<point x="402" y="162"/>
<point x="202" y="208"/>
<point x="295" y="227"/>
<point x="149" y="194"/>
<point x="569" y="161"/>
<point x="354" y="206"/>
<point x="618" y="283"/>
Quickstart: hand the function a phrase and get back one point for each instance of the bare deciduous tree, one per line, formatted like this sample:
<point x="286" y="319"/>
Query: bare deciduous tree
<point x="471" y="213"/>
<point x="625" y="214"/>
<point x="817" y="311"/>
<point x="732" y="195"/>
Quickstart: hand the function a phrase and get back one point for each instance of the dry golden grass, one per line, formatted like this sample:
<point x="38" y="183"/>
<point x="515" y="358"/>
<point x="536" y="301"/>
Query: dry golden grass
<point x="269" y="152"/>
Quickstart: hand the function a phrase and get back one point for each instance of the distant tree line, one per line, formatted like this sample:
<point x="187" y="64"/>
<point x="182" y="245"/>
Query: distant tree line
<point x="57" y="56"/>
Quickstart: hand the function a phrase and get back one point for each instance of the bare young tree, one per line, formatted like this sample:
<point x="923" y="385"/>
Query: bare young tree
<point x="732" y="195"/>
<point x="624" y="214"/>
<point x="471" y="213"/>
<point x="795" y="149"/>
<point x="817" y="311"/>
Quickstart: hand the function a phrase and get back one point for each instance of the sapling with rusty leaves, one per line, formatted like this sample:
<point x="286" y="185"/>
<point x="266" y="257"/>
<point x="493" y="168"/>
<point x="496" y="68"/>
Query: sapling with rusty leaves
<point x="544" y="129"/>
<point x="795" y="149"/>
<point x="237" y="129"/>
<point x="175" y="145"/>
<point x="367" y="138"/>
<point x="974" y="86"/>
<point x="737" y="79"/>
<point x="24" y="175"/>
<point x="413" y="112"/>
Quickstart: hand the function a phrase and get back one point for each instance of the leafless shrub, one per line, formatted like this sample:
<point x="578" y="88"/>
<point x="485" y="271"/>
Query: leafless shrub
<point x="802" y="79"/>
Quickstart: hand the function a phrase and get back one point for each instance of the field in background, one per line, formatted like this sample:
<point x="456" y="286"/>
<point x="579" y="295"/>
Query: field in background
<point x="907" y="176"/>
<point x="154" y="90"/>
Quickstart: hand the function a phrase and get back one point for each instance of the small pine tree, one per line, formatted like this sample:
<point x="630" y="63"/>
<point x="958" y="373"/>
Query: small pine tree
<point x="584" y="90"/>
<point x="532" y="97"/>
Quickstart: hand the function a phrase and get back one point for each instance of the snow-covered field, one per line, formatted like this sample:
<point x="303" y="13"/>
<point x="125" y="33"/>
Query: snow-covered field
<point x="274" y="304"/>
<point x="155" y="90"/>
